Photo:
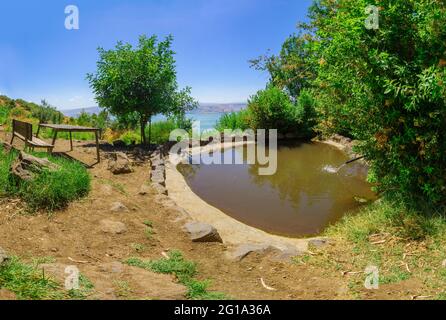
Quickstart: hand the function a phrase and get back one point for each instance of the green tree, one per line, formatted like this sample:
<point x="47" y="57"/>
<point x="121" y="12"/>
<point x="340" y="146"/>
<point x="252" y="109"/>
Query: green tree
<point x="387" y="88"/>
<point x="140" y="82"/>
<point x="272" y="109"/>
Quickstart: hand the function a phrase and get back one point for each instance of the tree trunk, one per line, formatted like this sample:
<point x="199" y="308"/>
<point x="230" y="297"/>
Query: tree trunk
<point x="143" y="123"/>
<point x="150" y="129"/>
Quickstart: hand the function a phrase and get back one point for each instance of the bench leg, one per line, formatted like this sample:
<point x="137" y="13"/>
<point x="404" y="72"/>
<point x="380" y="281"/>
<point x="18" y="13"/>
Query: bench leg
<point x="97" y="146"/>
<point x="71" y="141"/>
<point x="54" y="137"/>
<point x="12" y="140"/>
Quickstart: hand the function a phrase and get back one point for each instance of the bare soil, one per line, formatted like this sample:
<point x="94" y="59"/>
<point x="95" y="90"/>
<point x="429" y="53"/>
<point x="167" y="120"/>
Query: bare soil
<point x="74" y="237"/>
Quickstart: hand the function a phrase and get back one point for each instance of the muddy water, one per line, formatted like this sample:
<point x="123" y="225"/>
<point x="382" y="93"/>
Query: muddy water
<point x="301" y="199"/>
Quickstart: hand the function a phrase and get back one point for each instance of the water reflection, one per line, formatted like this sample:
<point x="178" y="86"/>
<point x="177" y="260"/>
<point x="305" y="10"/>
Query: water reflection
<point x="301" y="199"/>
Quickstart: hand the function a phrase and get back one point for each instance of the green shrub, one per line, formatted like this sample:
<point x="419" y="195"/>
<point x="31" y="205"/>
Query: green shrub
<point x="387" y="88"/>
<point x="272" y="109"/>
<point x="4" y="115"/>
<point x="5" y="165"/>
<point x="49" y="190"/>
<point x="233" y="121"/>
<point x="130" y="138"/>
<point x="161" y="131"/>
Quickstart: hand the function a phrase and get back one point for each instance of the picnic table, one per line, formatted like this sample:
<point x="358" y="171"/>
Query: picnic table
<point x="70" y="129"/>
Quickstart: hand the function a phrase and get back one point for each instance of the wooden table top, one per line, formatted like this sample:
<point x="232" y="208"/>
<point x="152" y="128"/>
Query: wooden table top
<point x="67" y="127"/>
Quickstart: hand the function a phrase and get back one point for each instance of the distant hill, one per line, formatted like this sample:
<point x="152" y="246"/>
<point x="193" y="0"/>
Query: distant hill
<point x="203" y="108"/>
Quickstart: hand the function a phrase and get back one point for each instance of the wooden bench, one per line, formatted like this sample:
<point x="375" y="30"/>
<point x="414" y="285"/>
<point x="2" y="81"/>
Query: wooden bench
<point x="24" y="131"/>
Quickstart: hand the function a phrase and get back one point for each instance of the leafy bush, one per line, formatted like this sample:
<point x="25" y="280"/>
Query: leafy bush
<point x="387" y="88"/>
<point x="130" y="137"/>
<point x="161" y="131"/>
<point x="50" y="190"/>
<point x="233" y="121"/>
<point x="272" y="109"/>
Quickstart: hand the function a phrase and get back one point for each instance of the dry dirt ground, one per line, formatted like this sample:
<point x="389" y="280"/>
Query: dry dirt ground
<point x="75" y="236"/>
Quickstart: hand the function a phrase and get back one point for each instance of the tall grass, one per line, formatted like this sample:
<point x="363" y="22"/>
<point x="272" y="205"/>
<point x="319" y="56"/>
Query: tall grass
<point x="161" y="131"/>
<point x="49" y="190"/>
<point x="233" y="121"/>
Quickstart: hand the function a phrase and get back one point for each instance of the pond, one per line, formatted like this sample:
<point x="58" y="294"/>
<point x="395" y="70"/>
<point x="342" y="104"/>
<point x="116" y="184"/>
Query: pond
<point x="301" y="199"/>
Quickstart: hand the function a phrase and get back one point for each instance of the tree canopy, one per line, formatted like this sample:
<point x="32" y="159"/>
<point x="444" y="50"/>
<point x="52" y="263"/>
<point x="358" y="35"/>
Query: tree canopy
<point x="140" y="82"/>
<point x="384" y="87"/>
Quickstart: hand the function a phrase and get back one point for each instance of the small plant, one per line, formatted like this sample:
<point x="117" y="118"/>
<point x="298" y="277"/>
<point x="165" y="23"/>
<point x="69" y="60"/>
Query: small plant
<point x="138" y="247"/>
<point x="122" y="289"/>
<point x="148" y="223"/>
<point x="149" y="233"/>
<point x="184" y="270"/>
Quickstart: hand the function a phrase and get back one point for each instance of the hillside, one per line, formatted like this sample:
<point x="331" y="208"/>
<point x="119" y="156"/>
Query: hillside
<point x="202" y="108"/>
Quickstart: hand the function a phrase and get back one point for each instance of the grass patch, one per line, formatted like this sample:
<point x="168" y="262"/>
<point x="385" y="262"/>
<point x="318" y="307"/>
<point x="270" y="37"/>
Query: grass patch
<point x="28" y="282"/>
<point x="138" y="247"/>
<point x="184" y="270"/>
<point x="50" y="190"/>
<point x="402" y="243"/>
<point x="86" y="288"/>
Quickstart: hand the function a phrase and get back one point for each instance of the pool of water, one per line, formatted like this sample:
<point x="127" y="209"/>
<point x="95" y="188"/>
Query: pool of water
<point x="301" y="199"/>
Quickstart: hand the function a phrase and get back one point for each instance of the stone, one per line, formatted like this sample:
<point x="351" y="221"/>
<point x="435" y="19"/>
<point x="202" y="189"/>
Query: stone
<point x="112" y="267"/>
<point x="119" y="207"/>
<point x="243" y="250"/>
<point x="4" y="258"/>
<point x="55" y="271"/>
<point x="106" y="190"/>
<point x="286" y="253"/>
<point x="202" y="232"/>
<point x="361" y="200"/>
<point x="318" y="242"/>
<point x="113" y="227"/>
<point x="144" y="190"/>
<point x="159" y="188"/>
<point x="27" y="166"/>
<point x="158" y="177"/>
<point x="119" y="163"/>
<point x="156" y="162"/>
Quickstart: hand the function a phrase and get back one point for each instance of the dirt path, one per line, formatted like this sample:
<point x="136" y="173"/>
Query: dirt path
<point x="75" y="236"/>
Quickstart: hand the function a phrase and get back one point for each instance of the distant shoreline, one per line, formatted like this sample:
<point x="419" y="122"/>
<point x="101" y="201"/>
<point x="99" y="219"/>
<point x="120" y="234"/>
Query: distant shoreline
<point x="203" y="108"/>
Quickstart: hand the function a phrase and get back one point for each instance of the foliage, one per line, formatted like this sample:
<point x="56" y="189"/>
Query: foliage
<point x="386" y="88"/>
<point x="50" y="190"/>
<point x="403" y="243"/>
<point x="28" y="282"/>
<point x="161" y="131"/>
<point x="272" y="109"/>
<point x="294" y="69"/>
<point x="184" y="270"/>
<point x="233" y="121"/>
<point x="28" y="111"/>
<point x="139" y="82"/>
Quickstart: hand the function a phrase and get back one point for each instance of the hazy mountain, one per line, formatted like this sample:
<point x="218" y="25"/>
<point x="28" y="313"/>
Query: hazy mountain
<point x="202" y="108"/>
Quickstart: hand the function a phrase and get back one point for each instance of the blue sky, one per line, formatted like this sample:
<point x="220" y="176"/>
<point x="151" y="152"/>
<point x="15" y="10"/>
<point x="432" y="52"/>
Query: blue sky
<point x="214" y="39"/>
